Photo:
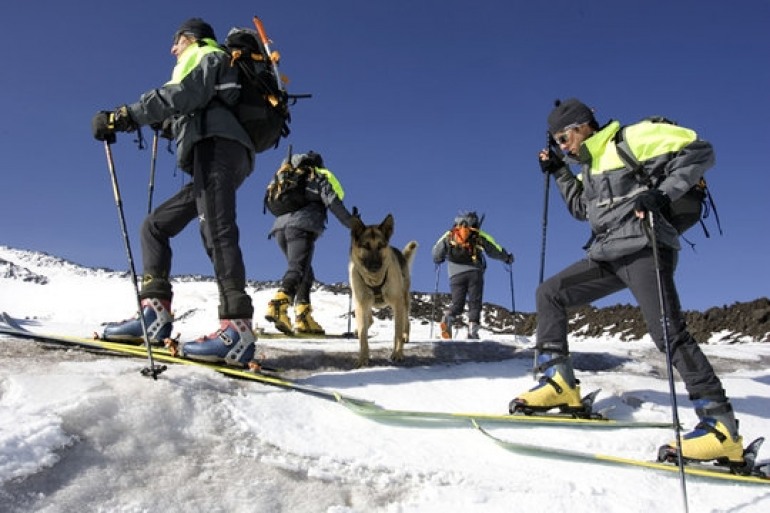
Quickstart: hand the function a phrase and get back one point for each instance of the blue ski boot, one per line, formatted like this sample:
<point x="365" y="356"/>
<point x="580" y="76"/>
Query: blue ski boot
<point x="233" y="344"/>
<point x="157" y="317"/>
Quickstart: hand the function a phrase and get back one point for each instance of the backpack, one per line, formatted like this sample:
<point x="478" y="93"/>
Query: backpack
<point x="287" y="191"/>
<point x="263" y="108"/>
<point x="464" y="240"/>
<point x="688" y="210"/>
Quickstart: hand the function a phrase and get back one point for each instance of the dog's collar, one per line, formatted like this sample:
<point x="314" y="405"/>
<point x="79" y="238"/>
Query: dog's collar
<point x="377" y="289"/>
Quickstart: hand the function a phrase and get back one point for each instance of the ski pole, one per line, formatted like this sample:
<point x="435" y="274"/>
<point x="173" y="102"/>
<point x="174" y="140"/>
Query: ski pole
<point x="546" y="190"/>
<point x="669" y="363"/>
<point x="153" y="370"/>
<point x="546" y="187"/>
<point x="509" y="268"/>
<point x="153" y="160"/>
<point x="433" y="306"/>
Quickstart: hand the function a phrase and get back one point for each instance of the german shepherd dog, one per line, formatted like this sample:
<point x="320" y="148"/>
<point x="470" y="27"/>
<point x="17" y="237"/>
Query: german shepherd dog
<point x="379" y="276"/>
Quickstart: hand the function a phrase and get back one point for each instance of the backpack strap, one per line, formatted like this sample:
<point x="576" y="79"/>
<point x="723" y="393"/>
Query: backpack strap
<point x="629" y="159"/>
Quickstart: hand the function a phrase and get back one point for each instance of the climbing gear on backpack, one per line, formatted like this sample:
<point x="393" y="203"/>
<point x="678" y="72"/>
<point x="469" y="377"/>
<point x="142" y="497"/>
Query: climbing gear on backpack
<point x="277" y="312"/>
<point x="464" y="243"/>
<point x="286" y="192"/>
<point x="263" y="108"/>
<point x="691" y="208"/>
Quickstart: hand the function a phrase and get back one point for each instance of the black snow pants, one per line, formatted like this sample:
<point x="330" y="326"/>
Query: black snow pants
<point x="587" y="280"/>
<point x="220" y="166"/>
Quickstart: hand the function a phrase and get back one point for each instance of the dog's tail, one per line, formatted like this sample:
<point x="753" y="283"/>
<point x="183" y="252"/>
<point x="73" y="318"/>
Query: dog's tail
<point x="409" y="251"/>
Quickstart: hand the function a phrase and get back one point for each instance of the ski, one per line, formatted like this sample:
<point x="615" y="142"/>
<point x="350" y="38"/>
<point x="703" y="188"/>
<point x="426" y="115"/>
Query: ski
<point x="12" y="327"/>
<point x="439" y="419"/>
<point x="757" y="473"/>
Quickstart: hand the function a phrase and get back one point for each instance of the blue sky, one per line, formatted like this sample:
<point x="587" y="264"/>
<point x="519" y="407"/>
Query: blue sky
<point x="421" y="108"/>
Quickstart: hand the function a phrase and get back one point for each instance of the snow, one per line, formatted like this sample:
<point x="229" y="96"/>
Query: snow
<point x="84" y="432"/>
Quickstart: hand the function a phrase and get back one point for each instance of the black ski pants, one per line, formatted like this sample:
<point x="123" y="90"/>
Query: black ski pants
<point x="220" y="166"/>
<point x="470" y="285"/>
<point x="587" y="280"/>
<point x="297" y="246"/>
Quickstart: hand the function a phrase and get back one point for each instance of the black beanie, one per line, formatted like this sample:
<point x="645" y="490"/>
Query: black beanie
<point x="195" y="27"/>
<point x="569" y="112"/>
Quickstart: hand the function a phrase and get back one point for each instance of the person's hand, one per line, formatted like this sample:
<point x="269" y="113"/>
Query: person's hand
<point x="652" y="200"/>
<point x="165" y="128"/>
<point x="549" y="161"/>
<point x="101" y="127"/>
<point x="122" y="120"/>
<point x="106" y="123"/>
<point x="509" y="258"/>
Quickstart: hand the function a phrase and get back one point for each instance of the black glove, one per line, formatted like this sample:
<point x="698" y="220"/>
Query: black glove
<point x="552" y="164"/>
<point x="356" y="213"/>
<point x="652" y="200"/>
<point x="105" y="124"/>
<point x="165" y="128"/>
<point x="101" y="127"/>
<point x="509" y="258"/>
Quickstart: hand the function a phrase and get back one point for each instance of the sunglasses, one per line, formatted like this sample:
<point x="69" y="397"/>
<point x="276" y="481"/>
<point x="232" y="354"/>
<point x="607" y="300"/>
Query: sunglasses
<point x="564" y="136"/>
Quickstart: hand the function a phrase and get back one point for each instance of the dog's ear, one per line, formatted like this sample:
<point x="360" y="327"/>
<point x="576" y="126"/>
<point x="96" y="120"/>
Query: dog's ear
<point x="356" y="227"/>
<point x="387" y="226"/>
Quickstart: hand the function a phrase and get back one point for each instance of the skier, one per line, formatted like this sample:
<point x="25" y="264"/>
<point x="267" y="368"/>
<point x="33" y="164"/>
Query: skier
<point x="216" y="151"/>
<point x="464" y="246"/>
<point x="296" y="232"/>
<point x="619" y="256"/>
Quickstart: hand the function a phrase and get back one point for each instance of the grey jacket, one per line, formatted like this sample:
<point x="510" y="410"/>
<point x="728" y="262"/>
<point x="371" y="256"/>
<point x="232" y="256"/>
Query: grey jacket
<point x="199" y="102"/>
<point x="325" y="193"/>
<point x="605" y="191"/>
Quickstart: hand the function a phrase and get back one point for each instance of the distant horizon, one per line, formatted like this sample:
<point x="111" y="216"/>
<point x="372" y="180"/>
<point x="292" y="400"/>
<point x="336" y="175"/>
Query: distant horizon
<point x="329" y="285"/>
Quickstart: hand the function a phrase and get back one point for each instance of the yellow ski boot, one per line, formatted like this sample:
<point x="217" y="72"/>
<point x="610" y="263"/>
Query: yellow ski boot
<point x="714" y="438"/>
<point x="557" y="388"/>
<point x="277" y="312"/>
<point x="305" y="322"/>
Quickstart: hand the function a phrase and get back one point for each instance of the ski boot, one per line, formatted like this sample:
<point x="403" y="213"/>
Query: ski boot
<point x="233" y="344"/>
<point x="277" y="312"/>
<point x="304" y="322"/>
<point x="446" y="326"/>
<point x="557" y="388"/>
<point x="714" y="438"/>
<point x="473" y="331"/>
<point x="157" y="318"/>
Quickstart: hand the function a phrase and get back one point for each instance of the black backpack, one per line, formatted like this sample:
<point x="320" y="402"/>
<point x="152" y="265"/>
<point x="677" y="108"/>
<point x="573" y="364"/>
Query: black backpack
<point x="692" y="208"/>
<point x="287" y="191"/>
<point x="263" y="109"/>
<point x="464" y="239"/>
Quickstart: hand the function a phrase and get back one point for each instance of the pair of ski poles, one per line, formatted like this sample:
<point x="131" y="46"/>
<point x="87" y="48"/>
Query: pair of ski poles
<point x="153" y="370"/>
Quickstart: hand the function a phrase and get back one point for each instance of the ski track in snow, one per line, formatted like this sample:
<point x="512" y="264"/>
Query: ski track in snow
<point x="86" y="432"/>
